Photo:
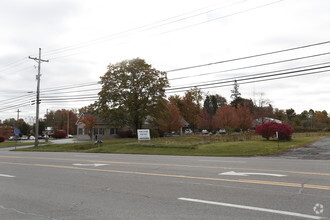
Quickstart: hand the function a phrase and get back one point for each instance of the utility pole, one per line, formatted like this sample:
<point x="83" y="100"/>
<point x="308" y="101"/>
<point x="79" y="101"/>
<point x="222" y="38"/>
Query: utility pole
<point x="16" y="136"/>
<point x="38" y="60"/>
<point x="68" y="124"/>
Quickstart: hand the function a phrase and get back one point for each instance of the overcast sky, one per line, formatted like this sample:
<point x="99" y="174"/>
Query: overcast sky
<point x="81" y="37"/>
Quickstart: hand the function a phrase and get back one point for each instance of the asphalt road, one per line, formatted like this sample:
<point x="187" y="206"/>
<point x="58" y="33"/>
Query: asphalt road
<point x="36" y="185"/>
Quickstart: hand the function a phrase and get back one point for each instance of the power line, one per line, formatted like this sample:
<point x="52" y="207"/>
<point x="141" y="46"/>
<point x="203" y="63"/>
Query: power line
<point x="252" y="66"/>
<point x="135" y="30"/>
<point x="263" y="73"/>
<point x="189" y="26"/>
<point x="230" y="83"/>
<point x="249" y="57"/>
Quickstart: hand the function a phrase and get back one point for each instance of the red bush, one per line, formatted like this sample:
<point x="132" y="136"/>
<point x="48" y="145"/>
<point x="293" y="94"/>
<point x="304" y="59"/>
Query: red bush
<point x="2" y="138"/>
<point x="59" y="134"/>
<point x="269" y="129"/>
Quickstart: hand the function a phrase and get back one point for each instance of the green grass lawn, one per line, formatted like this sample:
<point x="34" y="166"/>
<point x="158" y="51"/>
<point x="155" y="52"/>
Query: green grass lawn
<point x="185" y="145"/>
<point x="13" y="144"/>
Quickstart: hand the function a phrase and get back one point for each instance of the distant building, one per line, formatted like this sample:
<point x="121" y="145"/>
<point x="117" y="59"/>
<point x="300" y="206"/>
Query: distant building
<point x="263" y="120"/>
<point x="103" y="130"/>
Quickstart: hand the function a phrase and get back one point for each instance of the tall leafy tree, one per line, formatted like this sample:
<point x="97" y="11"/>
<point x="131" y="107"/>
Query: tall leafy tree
<point x="213" y="102"/>
<point x="191" y="106"/>
<point x="205" y="120"/>
<point x="89" y="122"/>
<point x="244" y="117"/>
<point x="131" y="91"/>
<point x="226" y="116"/>
<point x="60" y="119"/>
<point x="170" y="118"/>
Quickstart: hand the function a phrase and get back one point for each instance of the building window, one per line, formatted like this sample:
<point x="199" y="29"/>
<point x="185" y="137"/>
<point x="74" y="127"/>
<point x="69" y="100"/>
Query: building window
<point x="80" y="131"/>
<point x="98" y="131"/>
<point x="113" y="130"/>
<point x="101" y="131"/>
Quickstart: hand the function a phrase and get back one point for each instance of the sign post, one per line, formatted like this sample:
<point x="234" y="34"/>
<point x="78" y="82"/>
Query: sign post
<point x="17" y="132"/>
<point x="278" y="140"/>
<point x="143" y="134"/>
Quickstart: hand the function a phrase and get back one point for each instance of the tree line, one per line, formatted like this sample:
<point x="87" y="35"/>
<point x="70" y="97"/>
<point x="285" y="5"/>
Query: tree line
<point x="133" y="95"/>
<point x="57" y="120"/>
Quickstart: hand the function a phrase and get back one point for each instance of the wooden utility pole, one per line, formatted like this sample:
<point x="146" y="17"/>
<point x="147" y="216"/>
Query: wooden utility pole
<point x="16" y="136"/>
<point x="38" y="60"/>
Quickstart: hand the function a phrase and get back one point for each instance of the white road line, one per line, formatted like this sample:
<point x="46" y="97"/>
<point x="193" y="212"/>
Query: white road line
<point x="233" y="173"/>
<point x="4" y="175"/>
<point x="253" y="208"/>
<point x="224" y="161"/>
<point x="89" y="164"/>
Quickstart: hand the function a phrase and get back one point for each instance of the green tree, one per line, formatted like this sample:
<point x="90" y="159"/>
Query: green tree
<point x="131" y="91"/>
<point x="235" y="94"/>
<point x="60" y="119"/>
<point x="23" y="127"/>
<point x="213" y="102"/>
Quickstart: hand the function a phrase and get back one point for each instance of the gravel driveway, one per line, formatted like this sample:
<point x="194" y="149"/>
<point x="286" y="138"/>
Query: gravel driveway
<point x="319" y="150"/>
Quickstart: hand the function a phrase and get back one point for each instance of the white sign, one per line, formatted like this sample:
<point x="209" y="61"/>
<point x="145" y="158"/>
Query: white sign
<point x="233" y="173"/>
<point x="143" y="134"/>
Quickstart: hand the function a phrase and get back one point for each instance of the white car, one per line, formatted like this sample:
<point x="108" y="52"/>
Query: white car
<point x="205" y="132"/>
<point x="24" y="137"/>
<point x="188" y="131"/>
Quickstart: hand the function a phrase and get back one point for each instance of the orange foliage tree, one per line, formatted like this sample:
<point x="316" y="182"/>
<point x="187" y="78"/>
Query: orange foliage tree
<point x="225" y="117"/>
<point x="170" y="119"/>
<point x="244" y="117"/>
<point x="89" y="122"/>
<point x="205" y="120"/>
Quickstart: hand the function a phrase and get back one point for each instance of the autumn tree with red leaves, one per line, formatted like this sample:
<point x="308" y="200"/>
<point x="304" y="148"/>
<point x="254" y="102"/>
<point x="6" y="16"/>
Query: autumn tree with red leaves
<point x="89" y="122"/>
<point x="170" y="119"/>
<point x="269" y="130"/>
<point x="244" y="117"/>
<point x="225" y="116"/>
<point x="205" y="120"/>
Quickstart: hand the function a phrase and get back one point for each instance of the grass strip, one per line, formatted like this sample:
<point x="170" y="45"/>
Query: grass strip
<point x="13" y="144"/>
<point x="180" y="146"/>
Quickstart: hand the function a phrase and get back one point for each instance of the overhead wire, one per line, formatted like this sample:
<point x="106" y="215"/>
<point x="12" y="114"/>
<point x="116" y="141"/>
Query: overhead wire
<point x="251" y="66"/>
<point x="270" y="77"/>
<point x="189" y="26"/>
<point x="249" y="57"/>
<point x="139" y="29"/>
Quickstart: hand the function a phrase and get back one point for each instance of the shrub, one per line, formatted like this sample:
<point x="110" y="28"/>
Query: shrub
<point x="59" y="134"/>
<point x="269" y="129"/>
<point x="2" y="138"/>
<point x="154" y="133"/>
<point x="125" y="134"/>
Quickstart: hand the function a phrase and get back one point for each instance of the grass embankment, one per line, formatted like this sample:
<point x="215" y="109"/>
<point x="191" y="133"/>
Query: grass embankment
<point x="13" y="144"/>
<point x="185" y="145"/>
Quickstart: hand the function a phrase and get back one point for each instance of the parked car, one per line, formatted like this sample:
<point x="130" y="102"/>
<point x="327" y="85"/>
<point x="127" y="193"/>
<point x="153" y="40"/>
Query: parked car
<point x="188" y="131"/>
<point x="70" y="136"/>
<point x="24" y="137"/>
<point x="11" y="138"/>
<point x="205" y="132"/>
<point x="32" y="138"/>
<point x="222" y="131"/>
